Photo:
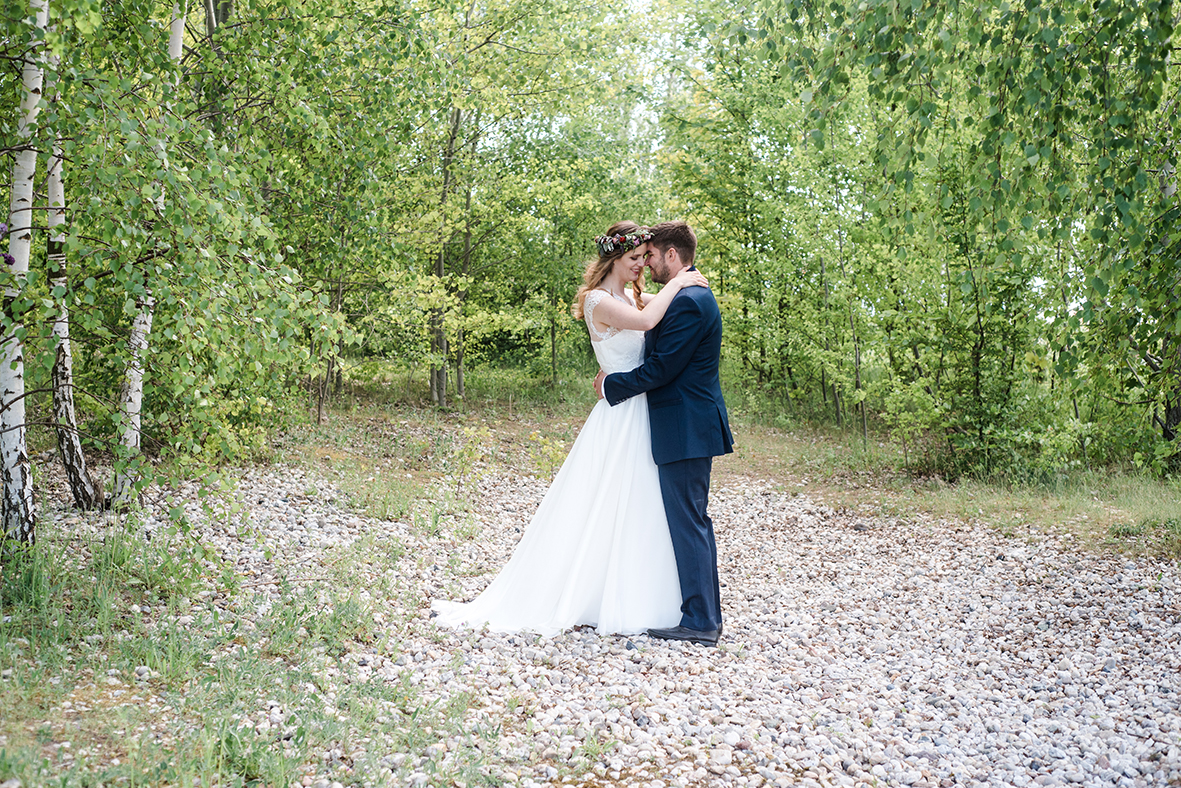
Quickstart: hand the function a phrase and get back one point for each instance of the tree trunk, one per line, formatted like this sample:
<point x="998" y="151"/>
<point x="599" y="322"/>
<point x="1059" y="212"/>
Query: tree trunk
<point x="842" y="253"/>
<point x="18" y="513"/>
<point x="827" y="347"/>
<point x="856" y="349"/>
<point x="322" y="389"/>
<point x="438" y="369"/>
<point x="553" y="349"/>
<point x="176" y="32"/>
<point x="438" y="329"/>
<point x="210" y="18"/>
<point x="334" y="378"/>
<point x="131" y="392"/>
<point x="864" y="416"/>
<point x="459" y="384"/>
<point x="1066" y="314"/>
<point x="1172" y="423"/>
<point x="977" y="357"/>
<point x="460" y="339"/>
<point x="87" y="492"/>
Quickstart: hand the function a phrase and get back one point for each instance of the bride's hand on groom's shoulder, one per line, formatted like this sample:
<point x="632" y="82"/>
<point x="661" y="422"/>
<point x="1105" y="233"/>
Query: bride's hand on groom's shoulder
<point x="599" y="383"/>
<point x="691" y="278"/>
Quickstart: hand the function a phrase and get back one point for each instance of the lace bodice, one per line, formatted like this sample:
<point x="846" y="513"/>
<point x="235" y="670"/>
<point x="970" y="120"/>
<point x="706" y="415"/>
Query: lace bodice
<point x="593" y="299"/>
<point x="617" y="350"/>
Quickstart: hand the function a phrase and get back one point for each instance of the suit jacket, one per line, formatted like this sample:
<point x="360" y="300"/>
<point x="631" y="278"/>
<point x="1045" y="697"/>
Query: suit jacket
<point x="680" y="374"/>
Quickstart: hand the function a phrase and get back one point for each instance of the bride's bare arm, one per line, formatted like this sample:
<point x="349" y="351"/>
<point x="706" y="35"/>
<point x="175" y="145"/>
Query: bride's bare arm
<point x="616" y="314"/>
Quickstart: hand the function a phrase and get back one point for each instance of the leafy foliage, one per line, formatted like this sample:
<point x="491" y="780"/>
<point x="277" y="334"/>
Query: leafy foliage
<point x="959" y="212"/>
<point x="953" y="220"/>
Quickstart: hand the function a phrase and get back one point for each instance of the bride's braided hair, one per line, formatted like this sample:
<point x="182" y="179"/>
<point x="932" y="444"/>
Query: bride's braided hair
<point x="597" y="269"/>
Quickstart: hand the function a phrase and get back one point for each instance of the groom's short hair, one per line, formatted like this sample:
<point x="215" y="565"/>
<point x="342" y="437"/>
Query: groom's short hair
<point x="677" y="234"/>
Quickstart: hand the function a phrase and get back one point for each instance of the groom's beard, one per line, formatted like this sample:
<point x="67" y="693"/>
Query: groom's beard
<point x="660" y="272"/>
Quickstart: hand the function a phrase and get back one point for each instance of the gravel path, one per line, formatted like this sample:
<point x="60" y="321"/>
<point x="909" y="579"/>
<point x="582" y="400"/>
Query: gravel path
<point x="860" y="652"/>
<point x="856" y="652"/>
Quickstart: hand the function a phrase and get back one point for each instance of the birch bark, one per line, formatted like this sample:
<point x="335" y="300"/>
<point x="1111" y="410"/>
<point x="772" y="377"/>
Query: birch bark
<point x="87" y="491"/>
<point x="176" y="32"/>
<point x="18" y="513"/>
<point x="131" y="392"/>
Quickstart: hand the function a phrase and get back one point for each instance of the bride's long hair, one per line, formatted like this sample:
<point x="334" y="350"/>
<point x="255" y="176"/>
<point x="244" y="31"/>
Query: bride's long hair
<point x="597" y="270"/>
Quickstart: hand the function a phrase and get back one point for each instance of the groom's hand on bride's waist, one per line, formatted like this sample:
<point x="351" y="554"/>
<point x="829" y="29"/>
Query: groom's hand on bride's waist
<point x="599" y="378"/>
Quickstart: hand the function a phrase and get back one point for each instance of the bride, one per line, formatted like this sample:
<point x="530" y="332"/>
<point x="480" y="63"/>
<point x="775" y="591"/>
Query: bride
<point x="598" y="550"/>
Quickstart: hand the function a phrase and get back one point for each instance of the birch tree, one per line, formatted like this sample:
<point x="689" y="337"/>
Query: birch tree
<point x="131" y="393"/>
<point x="87" y="492"/>
<point x="18" y="514"/>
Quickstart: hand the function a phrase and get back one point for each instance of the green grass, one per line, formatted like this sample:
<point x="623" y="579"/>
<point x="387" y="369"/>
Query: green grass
<point x="382" y="442"/>
<point x="71" y="642"/>
<point x="535" y="424"/>
<point x="1116" y="509"/>
<point x="68" y="588"/>
<point x="1158" y="531"/>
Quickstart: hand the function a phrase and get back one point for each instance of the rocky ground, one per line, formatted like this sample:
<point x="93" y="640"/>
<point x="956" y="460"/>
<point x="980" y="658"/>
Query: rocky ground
<point x="856" y="652"/>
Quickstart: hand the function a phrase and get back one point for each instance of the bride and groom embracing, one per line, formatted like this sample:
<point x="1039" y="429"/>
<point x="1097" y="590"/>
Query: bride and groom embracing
<point x="621" y="540"/>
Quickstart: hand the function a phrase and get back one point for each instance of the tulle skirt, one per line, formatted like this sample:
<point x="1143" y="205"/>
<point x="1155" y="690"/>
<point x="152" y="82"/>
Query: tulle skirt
<point x="597" y="551"/>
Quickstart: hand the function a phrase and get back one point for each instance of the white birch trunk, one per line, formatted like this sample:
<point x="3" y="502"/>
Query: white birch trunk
<point x="176" y="32"/>
<point x="87" y="491"/>
<point x="18" y="514"/>
<point x="131" y="395"/>
<point x="131" y="392"/>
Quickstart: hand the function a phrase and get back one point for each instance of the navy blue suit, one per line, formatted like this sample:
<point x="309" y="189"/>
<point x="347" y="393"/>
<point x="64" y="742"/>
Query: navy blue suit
<point x="689" y="428"/>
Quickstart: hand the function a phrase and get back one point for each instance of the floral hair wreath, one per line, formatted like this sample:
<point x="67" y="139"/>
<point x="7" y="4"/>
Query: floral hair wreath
<point x="609" y="244"/>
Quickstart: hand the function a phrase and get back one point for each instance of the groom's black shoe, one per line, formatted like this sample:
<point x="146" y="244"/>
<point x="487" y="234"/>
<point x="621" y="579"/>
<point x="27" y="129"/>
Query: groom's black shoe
<point x="684" y="633"/>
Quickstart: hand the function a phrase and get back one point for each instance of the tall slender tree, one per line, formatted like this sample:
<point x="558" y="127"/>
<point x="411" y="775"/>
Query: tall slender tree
<point x="438" y="328"/>
<point x="87" y="491"/>
<point x="18" y="513"/>
<point x="131" y="392"/>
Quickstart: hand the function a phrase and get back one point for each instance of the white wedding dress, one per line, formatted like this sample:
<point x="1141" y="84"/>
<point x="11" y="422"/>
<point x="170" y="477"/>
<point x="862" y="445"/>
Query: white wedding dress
<point x="598" y="550"/>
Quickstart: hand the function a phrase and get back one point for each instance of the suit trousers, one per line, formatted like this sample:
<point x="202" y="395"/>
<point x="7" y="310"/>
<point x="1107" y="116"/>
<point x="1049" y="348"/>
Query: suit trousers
<point x="684" y="485"/>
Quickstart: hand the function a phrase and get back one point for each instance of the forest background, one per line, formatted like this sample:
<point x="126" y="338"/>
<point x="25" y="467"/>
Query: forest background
<point x="948" y="224"/>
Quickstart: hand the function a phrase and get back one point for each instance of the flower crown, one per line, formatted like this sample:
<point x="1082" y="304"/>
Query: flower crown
<point x="609" y="244"/>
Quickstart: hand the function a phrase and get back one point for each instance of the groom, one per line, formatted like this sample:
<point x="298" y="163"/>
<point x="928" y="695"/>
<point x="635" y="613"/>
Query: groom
<point x="689" y="426"/>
